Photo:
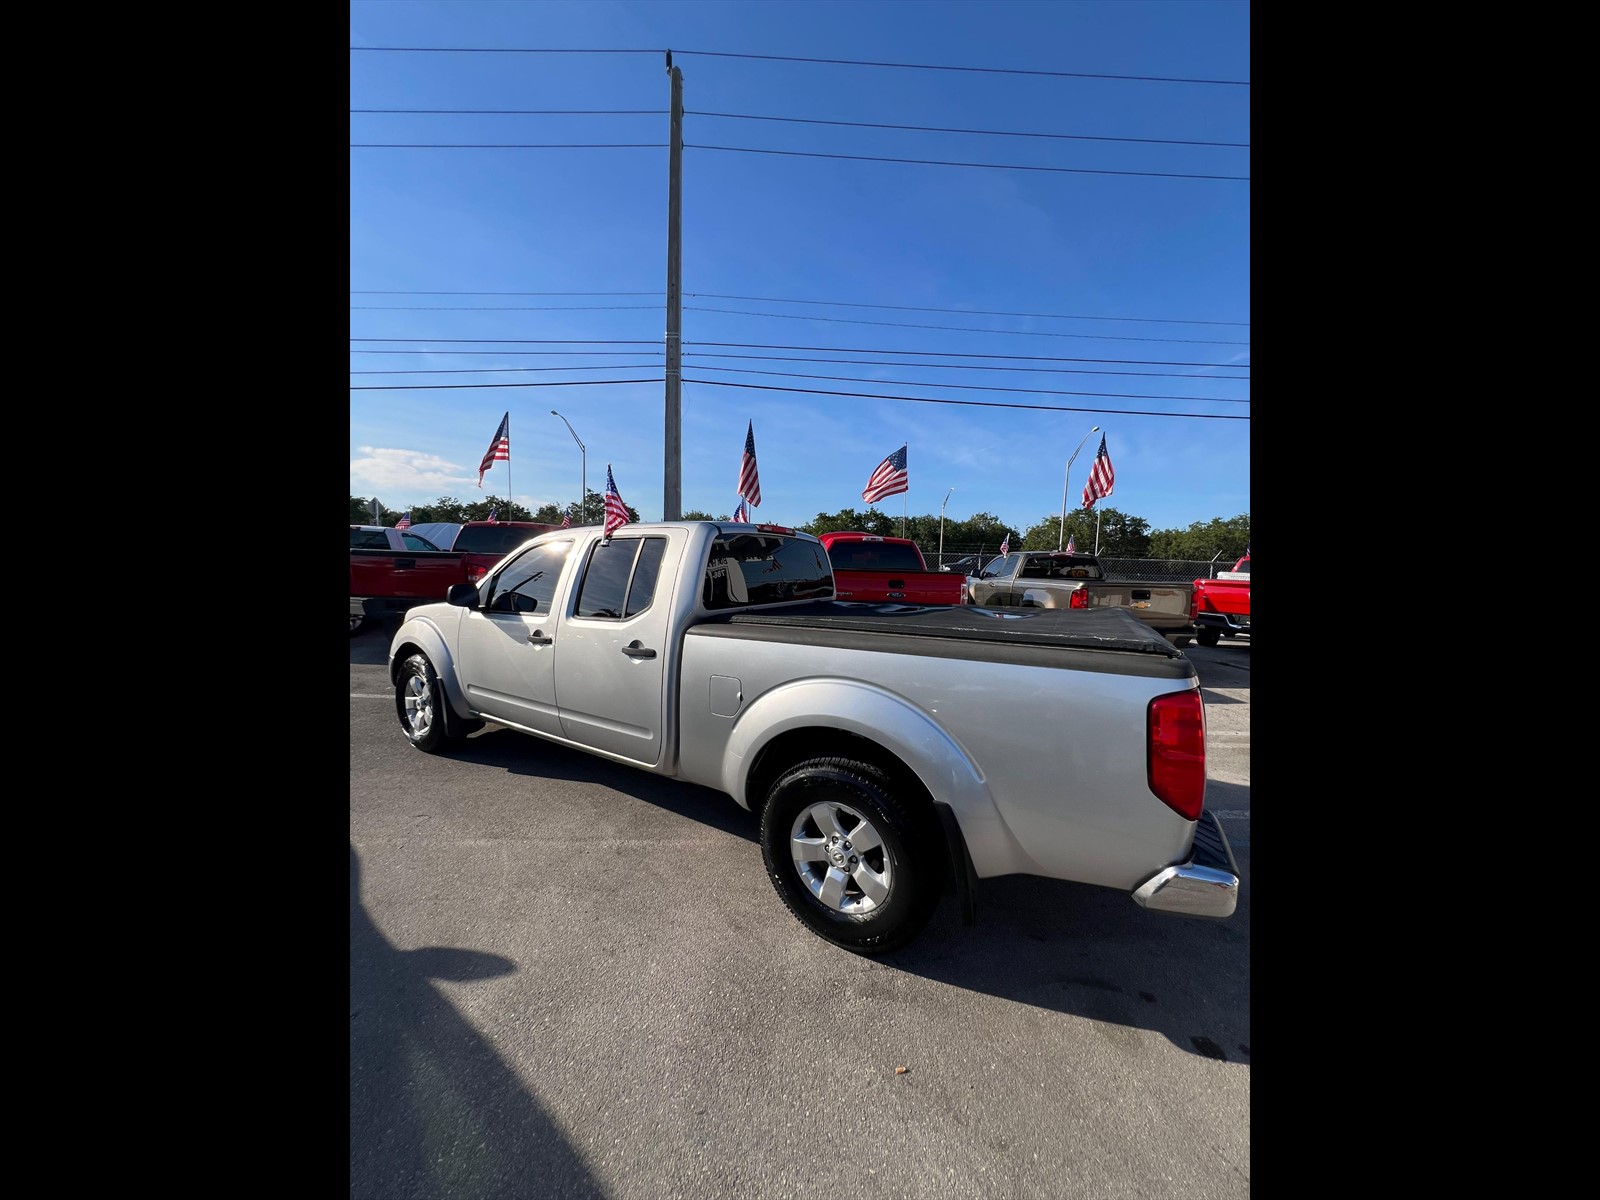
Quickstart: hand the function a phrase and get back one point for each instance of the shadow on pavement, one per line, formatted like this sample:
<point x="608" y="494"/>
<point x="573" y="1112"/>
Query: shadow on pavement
<point x="434" y="1112"/>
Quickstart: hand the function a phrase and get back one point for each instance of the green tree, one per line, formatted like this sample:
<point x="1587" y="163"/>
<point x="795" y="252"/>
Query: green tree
<point x="1205" y="540"/>
<point x="1121" y="536"/>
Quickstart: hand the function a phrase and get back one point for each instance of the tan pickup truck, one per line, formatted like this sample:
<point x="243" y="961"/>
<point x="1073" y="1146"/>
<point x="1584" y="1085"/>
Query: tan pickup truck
<point x="1054" y="579"/>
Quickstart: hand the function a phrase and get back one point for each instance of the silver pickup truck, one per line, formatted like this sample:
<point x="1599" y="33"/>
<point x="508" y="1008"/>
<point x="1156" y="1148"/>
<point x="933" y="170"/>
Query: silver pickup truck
<point x="1056" y="579"/>
<point x="889" y="749"/>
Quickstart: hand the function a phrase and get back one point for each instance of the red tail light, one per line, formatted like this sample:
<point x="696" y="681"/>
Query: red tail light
<point x="1176" y="752"/>
<point x="1080" y="599"/>
<point x="476" y="574"/>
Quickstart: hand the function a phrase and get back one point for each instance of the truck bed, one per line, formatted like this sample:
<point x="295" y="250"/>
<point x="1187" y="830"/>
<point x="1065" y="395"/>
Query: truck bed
<point x="956" y="631"/>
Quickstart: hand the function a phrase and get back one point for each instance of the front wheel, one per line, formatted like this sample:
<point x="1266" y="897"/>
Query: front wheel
<point x="849" y="856"/>
<point x="1208" y="635"/>
<point x="419" y="702"/>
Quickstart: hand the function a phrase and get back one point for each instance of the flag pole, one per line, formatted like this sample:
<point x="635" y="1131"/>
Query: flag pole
<point x="510" y="511"/>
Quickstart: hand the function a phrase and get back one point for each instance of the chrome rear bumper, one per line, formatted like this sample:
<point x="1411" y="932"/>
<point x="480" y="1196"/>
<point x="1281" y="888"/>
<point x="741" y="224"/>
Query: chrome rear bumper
<point x="1205" y="886"/>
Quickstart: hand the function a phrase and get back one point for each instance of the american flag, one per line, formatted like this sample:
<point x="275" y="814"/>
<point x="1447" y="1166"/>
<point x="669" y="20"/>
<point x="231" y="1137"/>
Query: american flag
<point x="749" y="483"/>
<point x="566" y="520"/>
<point x="493" y="513"/>
<point x="404" y="522"/>
<point x="1101" y="476"/>
<point x="741" y="514"/>
<point x="1005" y="544"/>
<point x="889" y="479"/>
<point x="499" y="449"/>
<point x="1072" y="544"/>
<point x="616" y="511"/>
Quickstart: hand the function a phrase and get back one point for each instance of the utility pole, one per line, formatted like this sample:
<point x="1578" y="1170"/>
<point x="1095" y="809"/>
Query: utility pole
<point x="672" y="476"/>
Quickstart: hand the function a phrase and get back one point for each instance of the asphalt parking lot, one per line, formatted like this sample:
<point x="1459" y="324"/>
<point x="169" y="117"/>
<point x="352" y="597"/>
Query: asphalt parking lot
<point x="572" y="978"/>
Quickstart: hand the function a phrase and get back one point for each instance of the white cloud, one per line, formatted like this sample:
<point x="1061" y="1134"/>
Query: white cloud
<point x="410" y="471"/>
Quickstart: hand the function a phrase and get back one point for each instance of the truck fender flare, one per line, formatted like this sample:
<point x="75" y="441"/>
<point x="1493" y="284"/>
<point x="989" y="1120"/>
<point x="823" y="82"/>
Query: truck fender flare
<point x="1036" y="598"/>
<point x="878" y="715"/>
<point x="422" y="633"/>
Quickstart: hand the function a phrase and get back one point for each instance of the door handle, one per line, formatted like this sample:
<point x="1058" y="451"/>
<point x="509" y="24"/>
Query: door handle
<point x="538" y="638"/>
<point x="634" y="650"/>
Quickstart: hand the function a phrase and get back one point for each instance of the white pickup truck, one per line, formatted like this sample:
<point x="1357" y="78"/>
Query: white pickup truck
<point x="889" y="749"/>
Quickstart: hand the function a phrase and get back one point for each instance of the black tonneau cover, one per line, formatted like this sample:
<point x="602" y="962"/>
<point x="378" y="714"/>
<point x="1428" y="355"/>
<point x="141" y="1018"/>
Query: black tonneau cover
<point x="1112" y="628"/>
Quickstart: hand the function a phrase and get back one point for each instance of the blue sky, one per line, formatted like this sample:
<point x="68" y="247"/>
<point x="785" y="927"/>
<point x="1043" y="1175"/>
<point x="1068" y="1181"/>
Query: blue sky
<point x="1148" y="270"/>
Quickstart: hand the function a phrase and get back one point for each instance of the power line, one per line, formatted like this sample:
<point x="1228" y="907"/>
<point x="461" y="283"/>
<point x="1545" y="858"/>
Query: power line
<point x="965" y="312"/>
<point x="1080" y="137"/>
<point x="1135" y="412"/>
<point x="428" y="387"/>
<point x="966" y="354"/>
<point x="509" y="370"/>
<point x="970" y="387"/>
<point x="845" y="62"/>
<point x="925" y="162"/>
<point x="524" y="112"/>
<point x="355" y="292"/>
<point x="508" y="146"/>
<point x="523" y="341"/>
<point x="851" y="62"/>
<point x="501" y="307"/>
<point x="1098" y="337"/>
<point x="1134" y="362"/>
<point x="661" y="112"/>
<point x="508" y="353"/>
<point x="939" y="162"/>
<point x="492" y="50"/>
<point x="883" y="362"/>
<point x="776" y="358"/>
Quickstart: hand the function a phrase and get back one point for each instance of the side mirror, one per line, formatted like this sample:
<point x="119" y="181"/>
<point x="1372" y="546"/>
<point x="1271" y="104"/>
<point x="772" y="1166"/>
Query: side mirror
<point x="462" y="595"/>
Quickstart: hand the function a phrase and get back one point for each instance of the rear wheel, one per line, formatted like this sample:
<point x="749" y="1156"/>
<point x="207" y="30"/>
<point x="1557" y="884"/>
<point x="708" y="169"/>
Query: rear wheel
<point x="1208" y="635"/>
<point x="849" y="855"/>
<point x="357" y="623"/>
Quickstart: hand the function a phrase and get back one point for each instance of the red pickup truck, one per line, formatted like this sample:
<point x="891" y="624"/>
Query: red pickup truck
<point x="1221" y="606"/>
<point x="869" y="567"/>
<point x="392" y="570"/>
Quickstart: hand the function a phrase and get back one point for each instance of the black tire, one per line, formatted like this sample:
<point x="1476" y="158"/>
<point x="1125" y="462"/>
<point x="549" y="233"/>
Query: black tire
<point x="357" y="624"/>
<point x="420" y="703"/>
<point x="905" y="865"/>
<point x="1208" y="635"/>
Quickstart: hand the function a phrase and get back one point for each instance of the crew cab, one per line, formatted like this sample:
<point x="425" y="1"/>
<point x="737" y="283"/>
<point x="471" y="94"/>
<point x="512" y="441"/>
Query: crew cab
<point x="1221" y="606"/>
<point x="1057" y="579"/>
<point x="889" y="749"/>
<point x="869" y="567"/>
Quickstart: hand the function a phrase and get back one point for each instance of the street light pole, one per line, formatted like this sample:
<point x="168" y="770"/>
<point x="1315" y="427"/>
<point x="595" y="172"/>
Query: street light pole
<point x="1061" y="538"/>
<point x="942" y="503"/>
<point x="583" y="468"/>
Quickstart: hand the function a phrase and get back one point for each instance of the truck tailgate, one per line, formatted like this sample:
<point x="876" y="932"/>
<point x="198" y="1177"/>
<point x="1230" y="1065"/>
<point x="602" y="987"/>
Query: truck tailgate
<point x="1159" y="605"/>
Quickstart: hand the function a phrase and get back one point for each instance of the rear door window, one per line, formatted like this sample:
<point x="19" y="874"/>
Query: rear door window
<point x="620" y="579"/>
